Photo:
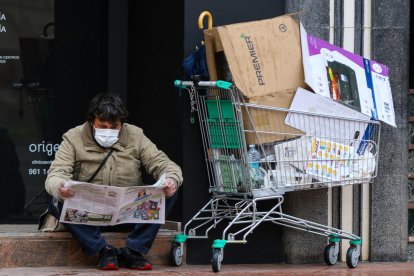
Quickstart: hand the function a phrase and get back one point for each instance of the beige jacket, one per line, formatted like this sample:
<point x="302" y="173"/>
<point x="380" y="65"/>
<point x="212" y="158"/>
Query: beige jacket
<point x="79" y="156"/>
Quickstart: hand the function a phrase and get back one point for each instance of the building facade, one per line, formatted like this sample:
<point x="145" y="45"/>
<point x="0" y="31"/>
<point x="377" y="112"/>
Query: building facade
<point x="55" y="55"/>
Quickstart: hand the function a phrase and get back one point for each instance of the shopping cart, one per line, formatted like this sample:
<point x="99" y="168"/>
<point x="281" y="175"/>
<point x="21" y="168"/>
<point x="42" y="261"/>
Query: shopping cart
<point x="301" y="151"/>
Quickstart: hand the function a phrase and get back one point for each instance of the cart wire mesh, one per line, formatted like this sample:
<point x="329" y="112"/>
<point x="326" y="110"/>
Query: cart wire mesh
<point x="299" y="150"/>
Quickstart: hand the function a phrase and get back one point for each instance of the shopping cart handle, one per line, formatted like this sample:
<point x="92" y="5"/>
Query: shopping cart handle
<point x="218" y="84"/>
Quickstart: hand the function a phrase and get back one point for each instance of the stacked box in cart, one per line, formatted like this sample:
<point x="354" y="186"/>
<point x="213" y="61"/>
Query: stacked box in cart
<point x="348" y="78"/>
<point x="264" y="60"/>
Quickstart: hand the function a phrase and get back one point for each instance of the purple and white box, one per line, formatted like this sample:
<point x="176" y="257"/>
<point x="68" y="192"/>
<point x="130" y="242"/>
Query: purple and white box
<point x="350" y="79"/>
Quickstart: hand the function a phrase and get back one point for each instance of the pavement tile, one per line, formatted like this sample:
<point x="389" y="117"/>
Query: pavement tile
<point x="364" y="268"/>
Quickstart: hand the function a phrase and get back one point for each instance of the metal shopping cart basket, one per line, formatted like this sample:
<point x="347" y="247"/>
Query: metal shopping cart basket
<point x="303" y="151"/>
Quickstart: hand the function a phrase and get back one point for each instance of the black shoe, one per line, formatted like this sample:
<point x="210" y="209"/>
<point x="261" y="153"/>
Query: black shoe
<point x="108" y="259"/>
<point x="133" y="260"/>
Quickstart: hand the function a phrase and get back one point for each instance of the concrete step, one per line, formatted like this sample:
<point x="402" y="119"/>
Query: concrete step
<point x="25" y="246"/>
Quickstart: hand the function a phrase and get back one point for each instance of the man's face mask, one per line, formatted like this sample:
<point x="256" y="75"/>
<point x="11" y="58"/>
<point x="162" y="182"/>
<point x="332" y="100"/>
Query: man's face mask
<point x="106" y="137"/>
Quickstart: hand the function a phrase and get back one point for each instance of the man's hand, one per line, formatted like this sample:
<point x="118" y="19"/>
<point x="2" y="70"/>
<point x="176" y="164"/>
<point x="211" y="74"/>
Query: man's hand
<point x="171" y="187"/>
<point x="64" y="191"/>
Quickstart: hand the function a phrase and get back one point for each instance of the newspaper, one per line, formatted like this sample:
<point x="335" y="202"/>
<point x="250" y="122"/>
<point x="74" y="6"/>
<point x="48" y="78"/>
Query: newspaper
<point x="103" y="205"/>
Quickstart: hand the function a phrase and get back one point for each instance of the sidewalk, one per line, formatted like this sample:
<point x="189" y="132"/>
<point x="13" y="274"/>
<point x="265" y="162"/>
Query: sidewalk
<point x="363" y="268"/>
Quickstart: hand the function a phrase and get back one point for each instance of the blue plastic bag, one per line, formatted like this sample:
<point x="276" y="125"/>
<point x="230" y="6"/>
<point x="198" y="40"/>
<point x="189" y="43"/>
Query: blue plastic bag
<point x="196" y="64"/>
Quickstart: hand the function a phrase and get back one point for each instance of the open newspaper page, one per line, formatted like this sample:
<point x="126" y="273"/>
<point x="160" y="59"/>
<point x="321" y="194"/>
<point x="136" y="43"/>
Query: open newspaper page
<point x="102" y="205"/>
<point x="91" y="204"/>
<point x="143" y="204"/>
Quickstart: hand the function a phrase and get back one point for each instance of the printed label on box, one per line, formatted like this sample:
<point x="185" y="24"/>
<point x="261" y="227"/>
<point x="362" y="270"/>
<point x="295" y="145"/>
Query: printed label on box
<point x="329" y="160"/>
<point x="355" y="81"/>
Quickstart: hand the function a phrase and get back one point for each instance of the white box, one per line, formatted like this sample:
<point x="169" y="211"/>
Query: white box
<point x="329" y="160"/>
<point x="334" y="72"/>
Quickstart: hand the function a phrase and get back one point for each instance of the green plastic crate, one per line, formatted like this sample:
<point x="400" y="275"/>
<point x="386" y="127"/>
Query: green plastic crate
<point x="220" y="110"/>
<point x="223" y="128"/>
<point x="231" y="173"/>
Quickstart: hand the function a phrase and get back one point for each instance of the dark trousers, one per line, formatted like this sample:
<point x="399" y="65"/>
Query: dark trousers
<point x="140" y="239"/>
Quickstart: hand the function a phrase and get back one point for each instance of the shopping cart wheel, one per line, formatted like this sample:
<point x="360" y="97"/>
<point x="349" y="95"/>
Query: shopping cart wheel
<point x="176" y="255"/>
<point x="352" y="256"/>
<point x="330" y="255"/>
<point x="216" y="260"/>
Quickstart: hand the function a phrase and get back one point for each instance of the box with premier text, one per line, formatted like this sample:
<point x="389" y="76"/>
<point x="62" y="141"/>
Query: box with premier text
<point x="264" y="60"/>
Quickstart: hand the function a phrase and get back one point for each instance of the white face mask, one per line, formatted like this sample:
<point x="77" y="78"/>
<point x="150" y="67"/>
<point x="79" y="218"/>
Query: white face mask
<point x="106" y="137"/>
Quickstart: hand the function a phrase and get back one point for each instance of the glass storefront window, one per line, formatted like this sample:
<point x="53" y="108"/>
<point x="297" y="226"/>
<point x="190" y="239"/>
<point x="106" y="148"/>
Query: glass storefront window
<point x="27" y="128"/>
<point x="411" y="222"/>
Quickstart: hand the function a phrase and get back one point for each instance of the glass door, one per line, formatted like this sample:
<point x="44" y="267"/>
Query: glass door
<point x="27" y="126"/>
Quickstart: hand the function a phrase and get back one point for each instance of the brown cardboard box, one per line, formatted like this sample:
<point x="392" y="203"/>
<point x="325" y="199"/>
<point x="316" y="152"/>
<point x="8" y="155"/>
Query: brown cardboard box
<point x="268" y="125"/>
<point x="265" y="61"/>
<point x="263" y="56"/>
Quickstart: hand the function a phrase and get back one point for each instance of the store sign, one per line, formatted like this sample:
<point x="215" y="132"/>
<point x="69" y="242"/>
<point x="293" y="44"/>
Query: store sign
<point x="3" y="29"/>
<point x="2" y="25"/>
<point x="39" y="166"/>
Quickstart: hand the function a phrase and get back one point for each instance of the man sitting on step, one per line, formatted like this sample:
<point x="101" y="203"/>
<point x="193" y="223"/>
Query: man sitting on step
<point x="79" y="157"/>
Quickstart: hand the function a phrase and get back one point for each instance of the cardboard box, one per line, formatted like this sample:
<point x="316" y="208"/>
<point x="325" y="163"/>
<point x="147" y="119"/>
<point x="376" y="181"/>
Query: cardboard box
<point x="263" y="56"/>
<point x="269" y="125"/>
<point x="329" y="160"/>
<point x="346" y="77"/>
<point x="216" y="60"/>
<point x="264" y="60"/>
